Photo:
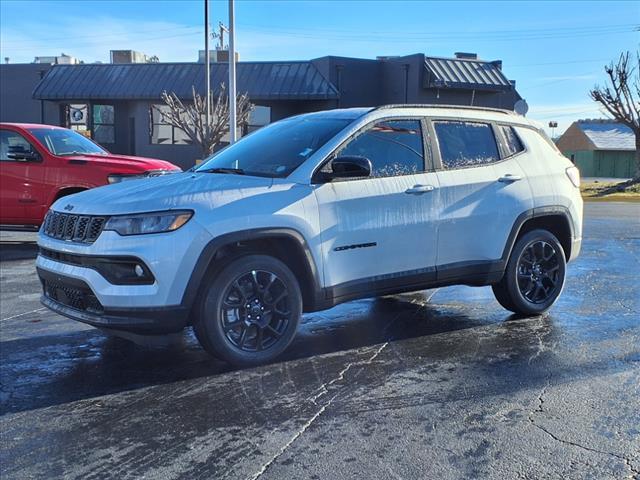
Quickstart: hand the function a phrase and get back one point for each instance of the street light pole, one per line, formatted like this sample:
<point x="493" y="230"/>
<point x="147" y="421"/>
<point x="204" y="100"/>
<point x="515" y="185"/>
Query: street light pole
<point x="207" y="61"/>
<point x="232" y="74"/>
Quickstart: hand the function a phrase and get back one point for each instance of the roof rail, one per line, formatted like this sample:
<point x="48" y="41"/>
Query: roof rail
<point x="453" y="107"/>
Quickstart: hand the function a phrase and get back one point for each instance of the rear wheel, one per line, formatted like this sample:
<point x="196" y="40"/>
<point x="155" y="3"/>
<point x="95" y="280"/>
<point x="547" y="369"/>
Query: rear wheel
<point x="535" y="274"/>
<point x="250" y="311"/>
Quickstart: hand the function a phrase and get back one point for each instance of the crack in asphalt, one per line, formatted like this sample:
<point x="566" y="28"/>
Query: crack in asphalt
<point x="322" y="409"/>
<point x="324" y="390"/>
<point x="634" y="473"/>
<point x="21" y="314"/>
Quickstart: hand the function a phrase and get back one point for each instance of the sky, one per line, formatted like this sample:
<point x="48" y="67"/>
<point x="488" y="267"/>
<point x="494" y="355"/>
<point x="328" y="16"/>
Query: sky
<point x="555" y="51"/>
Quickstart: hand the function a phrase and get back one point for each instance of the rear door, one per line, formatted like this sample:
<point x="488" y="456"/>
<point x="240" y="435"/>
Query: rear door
<point x="377" y="232"/>
<point x="482" y="190"/>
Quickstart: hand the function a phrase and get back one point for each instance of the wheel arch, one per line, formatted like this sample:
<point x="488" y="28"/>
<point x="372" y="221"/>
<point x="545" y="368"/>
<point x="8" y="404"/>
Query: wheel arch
<point x="285" y="244"/>
<point x="555" y="219"/>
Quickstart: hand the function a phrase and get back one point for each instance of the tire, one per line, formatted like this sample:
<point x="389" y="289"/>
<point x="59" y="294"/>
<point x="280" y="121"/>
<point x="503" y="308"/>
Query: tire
<point x="534" y="276"/>
<point x="249" y="311"/>
<point x="502" y="296"/>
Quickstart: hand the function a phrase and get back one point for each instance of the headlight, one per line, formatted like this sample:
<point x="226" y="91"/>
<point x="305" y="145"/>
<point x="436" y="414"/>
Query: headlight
<point x="156" y="222"/>
<point x="117" y="178"/>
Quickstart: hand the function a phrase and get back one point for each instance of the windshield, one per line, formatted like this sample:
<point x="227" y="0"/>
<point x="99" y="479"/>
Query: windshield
<point x="275" y="150"/>
<point x="66" y="142"/>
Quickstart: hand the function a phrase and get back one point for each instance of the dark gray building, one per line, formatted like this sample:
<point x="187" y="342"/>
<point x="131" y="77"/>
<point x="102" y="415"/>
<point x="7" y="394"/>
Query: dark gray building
<point x="17" y="104"/>
<point x="116" y="103"/>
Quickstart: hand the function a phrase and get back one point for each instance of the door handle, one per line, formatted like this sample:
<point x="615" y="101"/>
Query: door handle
<point x="508" y="178"/>
<point x="420" y="189"/>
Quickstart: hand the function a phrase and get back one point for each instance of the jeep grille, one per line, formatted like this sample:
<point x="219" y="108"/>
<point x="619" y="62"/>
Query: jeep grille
<point x="74" y="228"/>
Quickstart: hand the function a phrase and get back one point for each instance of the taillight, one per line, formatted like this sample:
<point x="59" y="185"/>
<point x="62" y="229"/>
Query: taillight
<point x="574" y="175"/>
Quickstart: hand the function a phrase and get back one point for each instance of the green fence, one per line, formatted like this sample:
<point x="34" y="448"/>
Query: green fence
<point x="614" y="164"/>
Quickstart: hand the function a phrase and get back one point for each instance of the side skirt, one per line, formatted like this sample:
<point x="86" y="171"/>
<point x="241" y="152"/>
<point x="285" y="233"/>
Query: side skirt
<point x="465" y="273"/>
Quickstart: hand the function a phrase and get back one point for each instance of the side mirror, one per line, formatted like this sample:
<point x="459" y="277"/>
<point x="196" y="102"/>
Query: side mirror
<point x="350" y="166"/>
<point x="24" y="156"/>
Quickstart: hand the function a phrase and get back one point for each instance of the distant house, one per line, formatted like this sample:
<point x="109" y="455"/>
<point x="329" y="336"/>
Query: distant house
<point x="600" y="148"/>
<point x="117" y="104"/>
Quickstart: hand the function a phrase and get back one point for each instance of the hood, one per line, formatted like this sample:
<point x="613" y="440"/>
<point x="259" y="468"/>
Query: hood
<point x="126" y="163"/>
<point x="182" y="190"/>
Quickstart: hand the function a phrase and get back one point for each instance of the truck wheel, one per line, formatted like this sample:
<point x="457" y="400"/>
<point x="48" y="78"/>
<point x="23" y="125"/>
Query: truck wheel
<point x="250" y="311"/>
<point x="534" y="276"/>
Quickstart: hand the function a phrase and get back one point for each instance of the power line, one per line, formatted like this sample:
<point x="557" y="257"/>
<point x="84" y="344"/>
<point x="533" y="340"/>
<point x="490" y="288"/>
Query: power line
<point x="431" y="35"/>
<point x="104" y="35"/>
<point x="553" y="82"/>
<point x="404" y="39"/>
<point x="558" y="63"/>
<point x="443" y="32"/>
<point x="108" y="43"/>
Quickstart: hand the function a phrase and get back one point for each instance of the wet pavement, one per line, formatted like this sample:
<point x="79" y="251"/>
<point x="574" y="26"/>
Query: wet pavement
<point x="440" y="384"/>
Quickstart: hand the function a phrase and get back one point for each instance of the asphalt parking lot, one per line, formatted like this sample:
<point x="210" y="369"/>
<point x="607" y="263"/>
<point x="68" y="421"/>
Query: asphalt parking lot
<point x="440" y="384"/>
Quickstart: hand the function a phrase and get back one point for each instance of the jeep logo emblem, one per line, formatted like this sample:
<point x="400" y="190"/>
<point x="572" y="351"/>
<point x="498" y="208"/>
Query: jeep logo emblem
<point x="68" y="207"/>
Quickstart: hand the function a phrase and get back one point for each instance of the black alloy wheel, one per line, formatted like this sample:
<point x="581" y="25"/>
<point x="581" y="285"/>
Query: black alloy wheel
<point x="538" y="271"/>
<point x="534" y="275"/>
<point x="249" y="310"/>
<point x="255" y="311"/>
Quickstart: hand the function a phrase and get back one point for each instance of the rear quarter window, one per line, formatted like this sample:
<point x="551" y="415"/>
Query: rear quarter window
<point x="510" y="143"/>
<point x="466" y="144"/>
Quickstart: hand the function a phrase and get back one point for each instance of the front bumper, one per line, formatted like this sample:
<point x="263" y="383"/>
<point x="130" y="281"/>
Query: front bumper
<point x="74" y="299"/>
<point x="170" y="259"/>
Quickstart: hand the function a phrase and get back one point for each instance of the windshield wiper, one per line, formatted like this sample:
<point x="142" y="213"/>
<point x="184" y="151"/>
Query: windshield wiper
<point x="234" y="171"/>
<point x="76" y="152"/>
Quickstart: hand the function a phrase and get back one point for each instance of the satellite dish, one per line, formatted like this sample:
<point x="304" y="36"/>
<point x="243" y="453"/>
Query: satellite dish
<point x="521" y="107"/>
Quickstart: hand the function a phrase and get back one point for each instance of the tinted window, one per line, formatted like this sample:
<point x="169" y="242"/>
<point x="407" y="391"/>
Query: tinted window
<point x="466" y="144"/>
<point x="394" y="148"/>
<point x="277" y="149"/>
<point x="12" y="145"/>
<point x="510" y="143"/>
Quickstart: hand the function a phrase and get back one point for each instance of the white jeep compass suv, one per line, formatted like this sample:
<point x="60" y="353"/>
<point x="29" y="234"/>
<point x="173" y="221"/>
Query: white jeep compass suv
<point x="316" y="210"/>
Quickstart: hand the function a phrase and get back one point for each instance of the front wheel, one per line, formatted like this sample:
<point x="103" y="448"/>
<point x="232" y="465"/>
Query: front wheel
<point x="250" y="311"/>
<point x="535" y="274"/>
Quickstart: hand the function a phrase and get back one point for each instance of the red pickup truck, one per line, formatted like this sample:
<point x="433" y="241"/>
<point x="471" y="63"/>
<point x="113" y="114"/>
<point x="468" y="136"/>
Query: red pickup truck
<point x="41" y="163"/>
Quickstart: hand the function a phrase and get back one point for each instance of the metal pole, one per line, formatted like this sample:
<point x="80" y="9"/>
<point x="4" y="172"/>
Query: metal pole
<point x="207" y="61"/>
<point x="232" y="74"/>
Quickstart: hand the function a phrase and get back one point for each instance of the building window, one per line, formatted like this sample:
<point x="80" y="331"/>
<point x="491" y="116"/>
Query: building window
<point x="104" y="128"/>
<point x="466" y="144"/>
<point x="163" y="133"/>
<point x="259" y="117"/>
<point x="78" y="117"/>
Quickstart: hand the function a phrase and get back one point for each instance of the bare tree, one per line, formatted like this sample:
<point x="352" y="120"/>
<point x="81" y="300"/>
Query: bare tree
<point x="621" y="98"/>
<point x="191" y="117"/>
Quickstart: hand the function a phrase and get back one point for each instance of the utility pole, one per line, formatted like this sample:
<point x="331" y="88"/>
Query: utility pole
<point x="232" y="74"/>
<point x="207" y="61"/>
<point x="221" y="34"/>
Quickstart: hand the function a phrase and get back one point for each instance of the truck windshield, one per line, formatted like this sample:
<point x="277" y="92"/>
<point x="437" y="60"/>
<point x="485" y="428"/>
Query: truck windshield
<point x="66" y="142"/>
<point x="275" y="150"/>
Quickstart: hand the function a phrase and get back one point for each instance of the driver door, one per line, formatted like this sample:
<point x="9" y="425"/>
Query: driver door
<point x="378" y="232"/>
<point x="18" y="194"/>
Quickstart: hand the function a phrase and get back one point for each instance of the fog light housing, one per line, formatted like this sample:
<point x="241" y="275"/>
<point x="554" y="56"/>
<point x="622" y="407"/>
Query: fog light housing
<point x="123" y="271"/>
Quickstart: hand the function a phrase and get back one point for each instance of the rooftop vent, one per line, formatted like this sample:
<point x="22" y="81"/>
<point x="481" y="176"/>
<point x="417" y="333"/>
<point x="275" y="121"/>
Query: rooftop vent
<point x="466" y="56"/>
<point x="130" y="56"/>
